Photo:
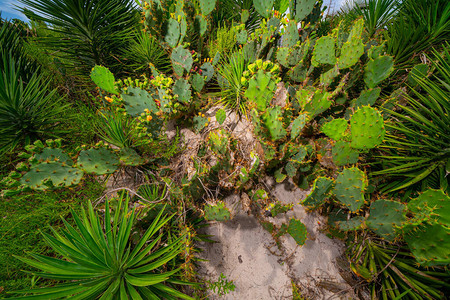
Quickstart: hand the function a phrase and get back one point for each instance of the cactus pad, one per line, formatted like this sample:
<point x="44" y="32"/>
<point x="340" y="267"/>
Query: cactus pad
<point x="217" y="212"/>
<point x="263" y="7"/>
<point x="354" y="223"/>
<point x="368" y="97"/>
<point x="353" y="48"/>
<point x="182" y="89"/>
<point x="137" y="100"/>
<point x="207" y="70"/>
<point x="324" y="51"/>
<point x="173" y="33"/>
<point x="261" y="89"/>
<point x="385" y="216"/>
<point x="242" y="37"/>
<point x="129" y="157"/>
<point x="297" y="125"/>
<point x="290" y="38"/>
<point x="51" y="174"/>
<point x="273" y="124"/>
<point x="207" y="6"/>
<point x="335" y="129"/>
<point x="350" y="187"/>
<point x="377" y="70"/>
<point x="343" y="154"/>
<point x="317" y="103"/>
<point x="431" y="204"/>
<point x="200" y="123"/>
<point x="53" y="154"/>
<point x="430" y="244"/>
<point x="367" y="128"/>
<point x="279" y="176"/>
<point x="221" y="115"/>
<point x="104" y="79"/>
<point x="302" y="8"/>
<point x="319" y="193"/>
<point x="218" y="141"/>
<point x="198" y="82"/>
<point x="98" y="161"/>
<point x="181" y="60"/>
<point x="297" y="230"/>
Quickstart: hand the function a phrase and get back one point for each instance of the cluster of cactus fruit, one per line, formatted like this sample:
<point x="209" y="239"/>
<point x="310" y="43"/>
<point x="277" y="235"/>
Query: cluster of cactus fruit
<point x="47" y="166"/>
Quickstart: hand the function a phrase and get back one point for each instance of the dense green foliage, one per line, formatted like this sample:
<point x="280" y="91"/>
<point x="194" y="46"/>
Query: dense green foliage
<point x="353" y="105"/>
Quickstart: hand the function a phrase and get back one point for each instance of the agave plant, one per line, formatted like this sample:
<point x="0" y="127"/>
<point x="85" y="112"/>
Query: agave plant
<point x="28" y="110"/>
<point x="417" y="148"/>
<point x="98" y="260"/>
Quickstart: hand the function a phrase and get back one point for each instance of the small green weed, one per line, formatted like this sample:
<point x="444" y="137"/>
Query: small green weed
<point x="222" y="286"/>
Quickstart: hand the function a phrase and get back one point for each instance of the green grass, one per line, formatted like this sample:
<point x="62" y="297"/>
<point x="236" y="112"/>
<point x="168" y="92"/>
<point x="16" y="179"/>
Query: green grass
<point x="23" y="217"/>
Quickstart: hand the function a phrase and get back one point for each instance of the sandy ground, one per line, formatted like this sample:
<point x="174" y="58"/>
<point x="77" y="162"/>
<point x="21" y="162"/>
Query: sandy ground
<point x="248" y="255"/>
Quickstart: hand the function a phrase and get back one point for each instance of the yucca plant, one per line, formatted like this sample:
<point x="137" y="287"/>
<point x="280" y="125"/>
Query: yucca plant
<point x="98" y="260"/>
<point x="419" y="26"/>
<point x="28" y="110"/>
<point x="144" y="50"/>
<point x="417" y="150"/>
<point x="230" y="72"/>
<point x="88" y="32"/>
<point x="376" y="13"/>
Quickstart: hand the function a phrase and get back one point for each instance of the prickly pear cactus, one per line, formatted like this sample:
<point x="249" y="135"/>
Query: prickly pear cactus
<point x="51" y="174"/>
<point x="104" y="79"/>
<point x="182" y="89"/>
<point x="335" y="129"/>
<point x="137" y="101"/>
<point x="198" y="82"/>
<point x="343" y="154"/>
<point x="261" y="88"/>
<point x="263" y="7"/>
<point x="432" y="206"/>
<point x="298" y="124"/>
<point x="367" y="128"/>
<point x="207" y="70"/>
<point x="221" y="115"/>
<point x="377" y="70"/>
<point x="317" y="103"/>
<point x="297" y="230"/>
<point x="200" y="122"/>
<point x="52" y="155"/>
<point x="350" y="187"/>
<point x="272" y="122"/>
<point x="319" y="193"/>
<point x="217" y="212"/>
<point x="290" y="38"/>
<point x="173" y="33"/>
<point x="353" y="48"/>
<point x="385" y="216"/>
<point x="324" y="51"/>
<point x="98" y="161"/>
<point x="429" y="243"/>
<point x="129" y="157"/>
<point x="368" y="97"/>
<point x="300" y="9"/>
<point x="354" y="223"/>
<point x="181" y="60"/>
<point x="207" y="6"/>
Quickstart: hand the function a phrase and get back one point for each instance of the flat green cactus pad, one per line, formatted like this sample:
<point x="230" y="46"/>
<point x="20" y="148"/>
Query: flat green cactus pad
<point x="207" y="70"/>
<point x="385" y="216"/>
<point x="430" y="244"/>
<point x="137" y="100"/>
<point x="335" y="129"/>
<point x="343" y="154"/>
<point x="297" y="230"/>
<point x="221" y="115"/>
<point x="302" y="8"/>
<point x="173" y="33"/>
<point x="298" y="124"/>
<point x="51" y="174"/>
<point x="319" y="193"/>
<point x="324" y="51"/>
<point x="181" y="60"/>
<point x="367" y="128"/>
<point x="354" y="223"/>
<point x="433" y="206"/>
<point x="273" y="124"/>
<point x="129" y="157"/>
<point x="377" y="70"/>
<point x="350" y="187"/>
<point x="53" y="154"/>
<point x="182" y="89"/>
<point x="198" y="82"/>
<point x="104" y="79"/>
<point x="263" y="7"/>
<point x="207" y="6"/>
<point x="98" y="161"/>
<point x="261" y="89"/>
<point x="368" y="97"/>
